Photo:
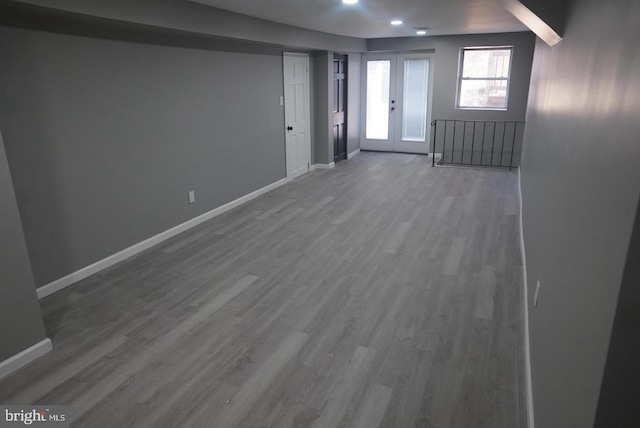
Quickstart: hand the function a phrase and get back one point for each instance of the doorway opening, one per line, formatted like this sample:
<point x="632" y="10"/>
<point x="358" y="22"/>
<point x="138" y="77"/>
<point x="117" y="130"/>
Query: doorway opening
<point x="397" y="97"/>
<point x="340" y="83"/>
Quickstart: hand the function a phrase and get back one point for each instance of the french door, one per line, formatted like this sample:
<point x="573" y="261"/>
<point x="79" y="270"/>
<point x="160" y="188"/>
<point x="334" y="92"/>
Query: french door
<point x="397" y="102"/>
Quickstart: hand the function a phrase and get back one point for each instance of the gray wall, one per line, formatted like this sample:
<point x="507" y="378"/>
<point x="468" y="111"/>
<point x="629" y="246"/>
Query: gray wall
<point x="580" y="185"/>
<point x="618" y="404"/>
<point x="105" y="139"/>
<point x="20" y="319"/>
<point x="322" y="117"/>
<point x="447" y="52"/>
<point x="353" y="99"/>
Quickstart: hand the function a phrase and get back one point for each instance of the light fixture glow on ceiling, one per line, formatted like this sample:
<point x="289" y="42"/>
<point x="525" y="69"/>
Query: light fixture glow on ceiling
<point x="349" y="1"/>
<point x="396" y="22"/>
<point x="421" y="32"/>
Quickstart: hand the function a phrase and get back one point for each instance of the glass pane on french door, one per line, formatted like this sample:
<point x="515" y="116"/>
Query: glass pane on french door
<point x="378" y="84"/>
<point x="415" y="99"/>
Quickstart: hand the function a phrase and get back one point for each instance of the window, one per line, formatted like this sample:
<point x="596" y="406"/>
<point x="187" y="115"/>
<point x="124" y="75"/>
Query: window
<point x="483" y="78"/>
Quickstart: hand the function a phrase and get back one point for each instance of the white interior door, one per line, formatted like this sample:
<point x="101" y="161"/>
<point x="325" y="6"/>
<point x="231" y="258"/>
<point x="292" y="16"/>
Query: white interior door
<point x="296" y="113"/>
<point x="397" y="102"/>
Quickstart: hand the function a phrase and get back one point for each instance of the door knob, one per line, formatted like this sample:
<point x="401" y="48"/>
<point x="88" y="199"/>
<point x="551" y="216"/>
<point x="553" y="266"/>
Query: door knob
<point x="289" y="128"/>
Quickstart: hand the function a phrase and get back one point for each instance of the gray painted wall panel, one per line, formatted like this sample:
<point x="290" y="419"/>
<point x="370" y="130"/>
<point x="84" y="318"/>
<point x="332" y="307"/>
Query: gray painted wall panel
<point x="105" y="139"/>
<point x="618" y="403"/>
<point x="581" y="185"/>
<point x="322" y="138"/>
<point x="20" y="319"/>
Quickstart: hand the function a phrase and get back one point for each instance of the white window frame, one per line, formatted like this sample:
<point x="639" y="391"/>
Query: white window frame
<point x="461" y="78"/>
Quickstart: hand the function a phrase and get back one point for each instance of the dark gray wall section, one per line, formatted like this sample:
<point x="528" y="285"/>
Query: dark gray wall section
<point x="580" y="186"/>
<point x="618" y="404"/>
<point x="322" y="119"/>
<point x="105" y="139"/>
<point x="184" y="15"/>
<point x="447" y="53"/>
<point x="20" y="319"/>
<point x="353" y="97"/>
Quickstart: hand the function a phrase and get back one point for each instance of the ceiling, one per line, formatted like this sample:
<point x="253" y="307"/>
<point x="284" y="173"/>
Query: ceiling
<point x="371" y="18"/>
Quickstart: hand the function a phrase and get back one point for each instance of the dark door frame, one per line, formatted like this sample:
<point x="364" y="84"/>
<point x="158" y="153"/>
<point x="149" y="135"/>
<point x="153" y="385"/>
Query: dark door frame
<point x="340" y="102"/>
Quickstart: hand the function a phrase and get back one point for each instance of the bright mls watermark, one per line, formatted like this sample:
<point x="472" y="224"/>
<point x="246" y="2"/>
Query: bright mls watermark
<point x="35" y="416"/>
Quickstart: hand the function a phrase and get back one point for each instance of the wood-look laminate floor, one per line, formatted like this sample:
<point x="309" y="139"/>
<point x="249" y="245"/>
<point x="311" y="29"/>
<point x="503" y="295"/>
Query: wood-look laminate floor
<point x="383" y="293"/>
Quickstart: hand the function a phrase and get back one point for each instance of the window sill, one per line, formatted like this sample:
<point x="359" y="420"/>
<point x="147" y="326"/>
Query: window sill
<point x="481" y="108"/>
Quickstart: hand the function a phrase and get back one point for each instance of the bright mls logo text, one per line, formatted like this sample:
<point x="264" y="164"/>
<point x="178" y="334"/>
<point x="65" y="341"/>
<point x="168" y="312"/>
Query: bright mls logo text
<point x="37" y="416"/>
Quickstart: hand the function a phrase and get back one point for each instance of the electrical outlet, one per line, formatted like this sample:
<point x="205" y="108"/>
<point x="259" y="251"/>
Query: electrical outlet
<point x="536" y="294"/>
<point x="281" y="101"/>
<point x="192" y="196"/>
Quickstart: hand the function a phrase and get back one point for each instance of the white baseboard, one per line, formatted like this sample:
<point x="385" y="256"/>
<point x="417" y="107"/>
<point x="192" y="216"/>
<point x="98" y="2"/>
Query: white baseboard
<point x="83" y="273"/>
<point x="312" y="167"/>
<point x="325" y="166"/>
<point x="527" y="345"/>
<point x="23" y="358"/>
<point x="353" y="153"/>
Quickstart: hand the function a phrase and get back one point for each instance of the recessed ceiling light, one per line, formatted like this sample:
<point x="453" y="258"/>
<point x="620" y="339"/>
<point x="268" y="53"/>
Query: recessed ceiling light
<point x="349" y="1"/>
<point x="396" y="22"/>
<point x="421" y="32"/>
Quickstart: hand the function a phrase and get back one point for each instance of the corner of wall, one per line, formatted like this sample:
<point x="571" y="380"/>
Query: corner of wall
<point x="22" y="332"/>
<point x="322" y="105"/>
<point x="525" y="286"/>
<point x="21" y="359"/>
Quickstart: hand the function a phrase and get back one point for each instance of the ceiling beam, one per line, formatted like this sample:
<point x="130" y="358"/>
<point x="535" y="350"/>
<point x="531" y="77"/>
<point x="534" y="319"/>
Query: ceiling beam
<point x="533" y="14"/>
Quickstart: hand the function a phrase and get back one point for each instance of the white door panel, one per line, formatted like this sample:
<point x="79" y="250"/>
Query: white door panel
<point x="296" y="113"/>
